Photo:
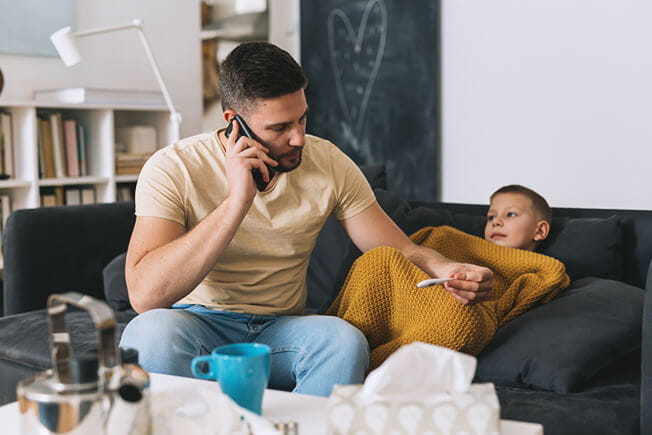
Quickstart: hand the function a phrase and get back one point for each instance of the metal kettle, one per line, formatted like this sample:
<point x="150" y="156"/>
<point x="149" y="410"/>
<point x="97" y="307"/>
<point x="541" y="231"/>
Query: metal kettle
<point x="97" y="393"/>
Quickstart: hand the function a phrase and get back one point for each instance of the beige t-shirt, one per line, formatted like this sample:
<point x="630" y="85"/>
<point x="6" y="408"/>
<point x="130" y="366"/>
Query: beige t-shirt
<point x="263" y="269"/>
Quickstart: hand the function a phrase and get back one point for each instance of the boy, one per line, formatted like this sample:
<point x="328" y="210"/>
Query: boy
<point x="518" y="217"/>
<point x="381" y="297"/>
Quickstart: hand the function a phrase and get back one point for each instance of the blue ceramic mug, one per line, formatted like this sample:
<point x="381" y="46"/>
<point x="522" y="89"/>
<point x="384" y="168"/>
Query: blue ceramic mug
<point x="242" y="369"/>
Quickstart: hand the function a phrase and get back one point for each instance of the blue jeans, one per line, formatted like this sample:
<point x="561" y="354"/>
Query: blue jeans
<point x="310" y="354"/>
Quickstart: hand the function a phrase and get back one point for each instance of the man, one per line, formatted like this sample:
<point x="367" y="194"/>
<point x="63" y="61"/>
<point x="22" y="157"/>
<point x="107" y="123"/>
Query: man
<point x="213" y="261"/>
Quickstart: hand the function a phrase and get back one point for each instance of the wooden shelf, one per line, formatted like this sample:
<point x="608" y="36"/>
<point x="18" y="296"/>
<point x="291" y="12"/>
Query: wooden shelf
<point x="100" y="122"/>
<point x="126" y="178"/>
<point x="68" y="181"/>
<point x="14" y="184"/>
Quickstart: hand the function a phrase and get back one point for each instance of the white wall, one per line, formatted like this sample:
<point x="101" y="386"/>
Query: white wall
<point x="117" y="60"/>
<point x="284" y="25"/>
<point x="554" y="94"/>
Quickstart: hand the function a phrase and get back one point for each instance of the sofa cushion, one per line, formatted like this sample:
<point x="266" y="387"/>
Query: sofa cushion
<point x="115" y="286"/>
<point x="25" y="347"/>
<point x="59" y="249"/>
<point x="375" y="175"/>
<point x="409" y="219"/>
<point x="24" y="338"/>
<point x="587" y="246"/>
<point x="561" y="345"/>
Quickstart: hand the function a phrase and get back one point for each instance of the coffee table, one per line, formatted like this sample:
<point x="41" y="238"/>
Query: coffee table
<point x="278" y="406"/>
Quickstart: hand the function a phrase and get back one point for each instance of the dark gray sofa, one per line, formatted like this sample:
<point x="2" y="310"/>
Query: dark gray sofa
<point x="573" y="365"/>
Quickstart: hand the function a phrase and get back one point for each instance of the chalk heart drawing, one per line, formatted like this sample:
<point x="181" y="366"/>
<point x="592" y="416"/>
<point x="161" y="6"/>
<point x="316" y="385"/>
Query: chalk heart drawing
<point x="356" y="57"/>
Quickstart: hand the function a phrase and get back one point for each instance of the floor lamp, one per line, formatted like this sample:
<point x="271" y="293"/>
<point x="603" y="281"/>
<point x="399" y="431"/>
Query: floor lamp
<point x="65" y="41"/>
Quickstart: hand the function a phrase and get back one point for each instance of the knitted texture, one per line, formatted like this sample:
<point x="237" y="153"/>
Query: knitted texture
<point x="381" y="298"/>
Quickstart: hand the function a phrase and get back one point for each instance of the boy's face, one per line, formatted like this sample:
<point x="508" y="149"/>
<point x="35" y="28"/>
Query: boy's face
<point x="513" y="222"/>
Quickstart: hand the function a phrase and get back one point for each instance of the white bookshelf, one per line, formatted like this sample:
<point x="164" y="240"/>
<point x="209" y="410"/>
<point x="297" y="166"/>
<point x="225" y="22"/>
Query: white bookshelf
<point x="100" y="123"/>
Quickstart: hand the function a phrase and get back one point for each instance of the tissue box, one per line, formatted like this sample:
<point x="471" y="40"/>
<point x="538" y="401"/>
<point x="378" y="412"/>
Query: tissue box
<point x="475" y="411"/>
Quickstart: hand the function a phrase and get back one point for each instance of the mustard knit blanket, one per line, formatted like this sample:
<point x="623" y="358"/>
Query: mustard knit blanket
<point x="380" y="295"/>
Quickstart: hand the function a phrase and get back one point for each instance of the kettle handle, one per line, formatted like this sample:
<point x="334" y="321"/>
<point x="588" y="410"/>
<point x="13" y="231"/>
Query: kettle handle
<point x="105" y="325"/>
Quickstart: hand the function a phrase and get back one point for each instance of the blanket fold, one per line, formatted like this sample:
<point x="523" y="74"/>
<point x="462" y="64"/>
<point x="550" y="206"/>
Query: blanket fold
<point x="381" y="299"/>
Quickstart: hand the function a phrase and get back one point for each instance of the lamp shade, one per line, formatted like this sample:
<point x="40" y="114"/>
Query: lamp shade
<point x="64" y="42"/>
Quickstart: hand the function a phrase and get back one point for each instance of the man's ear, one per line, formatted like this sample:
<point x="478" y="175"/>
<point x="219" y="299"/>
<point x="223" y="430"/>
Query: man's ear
<point x="228" y="115"/>
<point x="542" y="231"/>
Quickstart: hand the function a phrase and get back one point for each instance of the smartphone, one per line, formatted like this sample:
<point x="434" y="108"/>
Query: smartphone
<point x="261" y="185"/>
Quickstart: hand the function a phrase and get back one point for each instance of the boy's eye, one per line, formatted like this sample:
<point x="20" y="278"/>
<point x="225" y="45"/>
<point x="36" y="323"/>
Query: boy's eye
<point x="511" y="214"/>
<point x="490" y="218"/>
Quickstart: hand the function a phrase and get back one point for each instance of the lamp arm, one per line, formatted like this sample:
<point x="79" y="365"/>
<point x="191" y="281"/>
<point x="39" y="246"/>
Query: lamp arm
<point x="138" y="25"/>
<point x="134" y="25"/>
<point x="174" y="115"/>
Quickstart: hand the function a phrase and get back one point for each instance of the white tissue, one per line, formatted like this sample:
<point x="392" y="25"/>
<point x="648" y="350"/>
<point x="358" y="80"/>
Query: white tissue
<point x="419" y="370"/>
<point x="203" y="411"/>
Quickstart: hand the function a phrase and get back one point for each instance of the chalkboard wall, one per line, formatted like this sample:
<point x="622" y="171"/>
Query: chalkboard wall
<point x="373" y="67"/>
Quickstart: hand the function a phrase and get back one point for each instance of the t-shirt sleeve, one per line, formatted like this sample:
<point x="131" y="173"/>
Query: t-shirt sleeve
<point x="354" y="194"/>
<point x="158" y="192"/>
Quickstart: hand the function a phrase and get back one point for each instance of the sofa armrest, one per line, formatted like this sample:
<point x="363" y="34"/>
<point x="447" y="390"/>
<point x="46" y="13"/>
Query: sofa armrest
<point x="58" y="249"/>
<point x="646" y="358"/>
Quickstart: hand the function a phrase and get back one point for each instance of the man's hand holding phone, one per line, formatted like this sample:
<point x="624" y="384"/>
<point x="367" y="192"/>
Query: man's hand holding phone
<point x="244" y="154"/>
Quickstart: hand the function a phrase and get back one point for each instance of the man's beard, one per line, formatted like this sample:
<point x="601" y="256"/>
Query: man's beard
<point x="285" y="168"/>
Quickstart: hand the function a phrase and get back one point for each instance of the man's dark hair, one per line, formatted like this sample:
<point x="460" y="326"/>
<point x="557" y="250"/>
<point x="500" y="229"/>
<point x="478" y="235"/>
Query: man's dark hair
<point x="257" y="70"/>
<point x="539" y="203"/>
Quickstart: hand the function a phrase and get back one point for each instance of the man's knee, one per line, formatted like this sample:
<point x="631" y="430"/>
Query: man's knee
<point x="349" y="335"/>
<point x="152" y="327"/>
<point x="345" y="340"/>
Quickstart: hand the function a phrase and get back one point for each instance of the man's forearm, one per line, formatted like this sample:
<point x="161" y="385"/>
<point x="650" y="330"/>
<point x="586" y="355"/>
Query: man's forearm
<point x="168" y="273"/>
<point x="425" y="258"/>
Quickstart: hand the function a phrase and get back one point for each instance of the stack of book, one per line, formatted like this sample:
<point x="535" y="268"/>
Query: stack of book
<point x="6" y="147"/>
<point x="130" y="163"/>
<point x="62" y="147"/>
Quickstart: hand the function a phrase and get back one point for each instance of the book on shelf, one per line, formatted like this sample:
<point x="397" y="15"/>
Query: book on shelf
<point x="46" y="148"/>
<point x="58" y="145"/>
<point x="68" y="195"/>
<point x="88" y="195"/>
<point x="127" y="97"/>
<point x="6" y="146"/>
<point x="72" y="152"/>
<point x="5" y="209"/>
<point x="73" y="195"/>
<point x="81" y="150"/>
<point x="52" y="196"/>
<point x="61" y="147"/>
<point x="39" y="148"/>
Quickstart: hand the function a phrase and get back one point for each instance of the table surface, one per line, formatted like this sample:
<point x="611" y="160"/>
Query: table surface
<point x="278" y="406"/>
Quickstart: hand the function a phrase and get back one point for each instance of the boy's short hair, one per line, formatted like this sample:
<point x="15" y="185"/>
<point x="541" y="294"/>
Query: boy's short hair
<point x="255" y="70"/>
<point x="539" y="203"/>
